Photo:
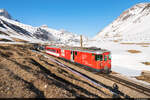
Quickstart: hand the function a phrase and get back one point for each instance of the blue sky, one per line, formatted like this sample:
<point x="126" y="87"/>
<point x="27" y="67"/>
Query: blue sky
<point x="86" y="17"/>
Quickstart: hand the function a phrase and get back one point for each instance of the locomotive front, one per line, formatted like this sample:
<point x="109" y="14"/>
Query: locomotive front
<point x="104" y="61"/>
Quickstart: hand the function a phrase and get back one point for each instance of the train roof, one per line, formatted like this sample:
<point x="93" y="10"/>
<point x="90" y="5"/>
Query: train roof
<point x="84" y="49"/>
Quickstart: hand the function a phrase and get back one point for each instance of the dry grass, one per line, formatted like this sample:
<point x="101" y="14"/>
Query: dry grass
<point x="145" y="75"/>
<point x="146" y="63"/>
<point x="143" y="78"/>
<point x="134" y="51"/>
<point x="136" y="43"/>
<point x="26" y="74"/>
<point x="116" y="41"/>
<point x="114" y="72"/>
<point x="127" y="43"/>
<point x="19" y="40"/>
<point x="145" y="46"/>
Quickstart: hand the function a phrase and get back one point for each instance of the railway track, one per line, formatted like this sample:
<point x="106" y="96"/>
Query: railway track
<point x="126" y="83"/>
<point x="130" y="84"/>
<point x="117" y="82"/>
<point x="93" y="81"/>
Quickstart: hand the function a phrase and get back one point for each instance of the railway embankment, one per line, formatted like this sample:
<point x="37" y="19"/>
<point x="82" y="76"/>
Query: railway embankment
<point x="28" y="74"/>
<point x="126" y="87"/>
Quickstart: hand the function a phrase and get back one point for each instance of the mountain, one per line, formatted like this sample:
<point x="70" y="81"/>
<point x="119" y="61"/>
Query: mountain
<point x="65" y="37"/>
<point x="131" y="26"/>
<point x="4" y="13"/>
<point x="10" y="29"/>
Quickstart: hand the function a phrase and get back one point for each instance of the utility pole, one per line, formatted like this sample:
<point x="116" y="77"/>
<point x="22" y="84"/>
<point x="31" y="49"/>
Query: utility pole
<point x="81" y="41"/>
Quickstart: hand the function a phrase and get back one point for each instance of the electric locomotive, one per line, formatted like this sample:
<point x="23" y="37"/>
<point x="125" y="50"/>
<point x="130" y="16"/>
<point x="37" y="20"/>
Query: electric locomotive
<point x="94" y="59"/>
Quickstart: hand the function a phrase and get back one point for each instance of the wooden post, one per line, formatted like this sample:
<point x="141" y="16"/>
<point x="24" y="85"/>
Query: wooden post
<point x="81" y="41"/>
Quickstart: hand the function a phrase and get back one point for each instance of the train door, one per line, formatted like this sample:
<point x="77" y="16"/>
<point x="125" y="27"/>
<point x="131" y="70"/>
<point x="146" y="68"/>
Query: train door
<point x="72" y="56"/>
<point x="107" y="61"/>
<point x="99" y="61"/>
<point x="62" y="52"/>
<point x="93" y="59"/>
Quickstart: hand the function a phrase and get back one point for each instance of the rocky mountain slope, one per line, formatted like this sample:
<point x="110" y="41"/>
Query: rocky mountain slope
<point x="10" y="29"/>
<point x="131" y="26"/>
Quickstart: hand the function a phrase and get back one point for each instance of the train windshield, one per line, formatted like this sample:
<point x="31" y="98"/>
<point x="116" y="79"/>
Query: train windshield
<point x="105" y="57"/>
<point x="109" y="56"/>
<point x="98" y="57"/>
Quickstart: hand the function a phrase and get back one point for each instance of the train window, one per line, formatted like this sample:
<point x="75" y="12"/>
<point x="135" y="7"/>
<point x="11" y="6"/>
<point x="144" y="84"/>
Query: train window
<point x="99" y="57"/>
<point x="109" y="57"/>
<point x="95" y="57"/>
<point x="75" y="53"/>
<point x="52" y="50"/>
<point x="105" y="57"/>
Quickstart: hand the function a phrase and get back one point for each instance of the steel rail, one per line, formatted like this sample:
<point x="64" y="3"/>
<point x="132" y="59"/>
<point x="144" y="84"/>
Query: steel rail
<point x="82" y="75"/>
<point x="129" y="84"/>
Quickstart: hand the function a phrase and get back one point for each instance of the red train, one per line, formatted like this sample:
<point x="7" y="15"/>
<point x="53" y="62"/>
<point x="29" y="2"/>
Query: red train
<point x="95" y="59"/>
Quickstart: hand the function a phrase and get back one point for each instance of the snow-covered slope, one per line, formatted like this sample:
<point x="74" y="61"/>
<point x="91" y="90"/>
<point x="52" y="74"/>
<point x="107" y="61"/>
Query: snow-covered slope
<point x="124" y="62"/>
<point x="130" y="31"/>
<point x="133" y="25"/>
<point x="36" y="34"/>
<point x="65" y="37"/>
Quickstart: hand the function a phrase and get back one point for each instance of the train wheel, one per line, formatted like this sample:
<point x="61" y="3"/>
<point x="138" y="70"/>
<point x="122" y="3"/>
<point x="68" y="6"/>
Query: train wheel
<point x="106" y="71"/>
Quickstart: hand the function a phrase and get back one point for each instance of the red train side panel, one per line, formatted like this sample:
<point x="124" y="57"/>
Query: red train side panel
<point x="98" y="62"/>
<point x="53" y="51"/>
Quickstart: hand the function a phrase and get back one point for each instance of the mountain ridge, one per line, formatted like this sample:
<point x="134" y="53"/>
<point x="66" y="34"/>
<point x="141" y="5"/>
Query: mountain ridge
<point x="129" y="26"/>
<point x="42" y="33"/>
<point x="4" y="13"/>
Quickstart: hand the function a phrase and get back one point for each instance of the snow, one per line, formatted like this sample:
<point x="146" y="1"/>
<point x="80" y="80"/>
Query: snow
<point x="131" y="26"/>
<point x="40" y="34"/>
<point x="124" y="62"/>
<point x="5" y="37"/>
<point x="60" y="37"/>
<point x="65" y="37"/>
<point x="26" y="27"/>
<point x="11" y="43"/>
